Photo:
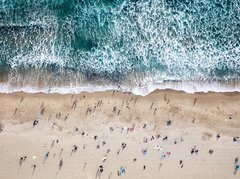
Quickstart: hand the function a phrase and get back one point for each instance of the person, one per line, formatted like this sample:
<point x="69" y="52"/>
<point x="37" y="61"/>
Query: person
<point x="46" y="155"/>
<point x="169" y="123"/>
<point x="100" y="169"/>
<point x="163" y="155"/>
<point x="237" y="167"/>
<point x="60" y="164"/>
<point x="235" y="139"/>
<point x="118" y="173"/>
<point x="144" y="151"/>
<point x="15" y="111"/>
<point x="35" y="122"/>
<point x="192" y="151"/>
<point x="175" y="141"/>
<point x="180" y="162"/>
<point x="236" y="160"/>
<point x="122" y="169"/>
<point x="124" y="145"/>
<point x="34" y="167"/>
<point x="210" y="152"/>
<point x="165" y="138"/>
<point x="111" y="129"/>
<point x="144" y="167"/>
<point x="118" y="151"/>
<point x="104" y="159"/>
<point x="75" y="148"/>
<point x="118" y="112"/>
<point x="21" y="161"/>
<point x="196" y="151"/>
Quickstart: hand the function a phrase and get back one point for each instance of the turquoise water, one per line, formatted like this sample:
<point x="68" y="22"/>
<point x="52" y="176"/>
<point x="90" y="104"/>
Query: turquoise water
<point x="113" y="40"/>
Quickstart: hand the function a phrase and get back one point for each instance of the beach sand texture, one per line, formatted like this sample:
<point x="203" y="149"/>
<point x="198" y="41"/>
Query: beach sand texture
<point x="116" y="118"/>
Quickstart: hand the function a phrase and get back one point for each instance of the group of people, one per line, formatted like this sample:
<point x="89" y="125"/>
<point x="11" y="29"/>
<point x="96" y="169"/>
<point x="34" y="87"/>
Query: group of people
<point x="122" y="169"/>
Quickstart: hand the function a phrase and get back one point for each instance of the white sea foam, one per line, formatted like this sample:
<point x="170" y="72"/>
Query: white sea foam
<point x="159" y="40"/>
<point x="183" y="40"/>
<point x="188" y="87"/>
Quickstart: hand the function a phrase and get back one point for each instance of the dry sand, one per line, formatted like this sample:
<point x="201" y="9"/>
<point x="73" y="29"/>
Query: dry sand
<point x="196" y="119"/>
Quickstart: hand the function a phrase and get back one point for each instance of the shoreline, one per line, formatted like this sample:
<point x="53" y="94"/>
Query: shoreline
<point x="142" y="90"/>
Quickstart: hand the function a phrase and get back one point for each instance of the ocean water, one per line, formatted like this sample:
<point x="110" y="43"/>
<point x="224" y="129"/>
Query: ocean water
<point x="135" y="45"/>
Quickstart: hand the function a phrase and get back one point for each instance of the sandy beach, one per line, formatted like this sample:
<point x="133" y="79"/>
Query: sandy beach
<point x="166" y="134"/>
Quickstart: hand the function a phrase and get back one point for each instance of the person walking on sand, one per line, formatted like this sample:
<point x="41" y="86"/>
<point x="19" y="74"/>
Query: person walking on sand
<point x="75" y="148"/>
<point x="181" y="163"/>
<point x="46" y="155"/>
<point x="118" y="151"/>
<point x="21" y="161"/>
<point x="34" y="168"/>
<point x="236" y="160"/>
<point x="99" y="171"/>
<point x="60" y="164"/>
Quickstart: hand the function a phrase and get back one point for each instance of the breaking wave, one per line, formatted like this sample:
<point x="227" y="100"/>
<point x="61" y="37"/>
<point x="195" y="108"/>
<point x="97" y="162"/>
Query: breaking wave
<point x="130" y="43"/>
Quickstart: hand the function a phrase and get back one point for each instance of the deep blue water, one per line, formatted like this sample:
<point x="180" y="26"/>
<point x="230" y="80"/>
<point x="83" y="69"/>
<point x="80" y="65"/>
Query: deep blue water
<point x="110" y="40"/>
